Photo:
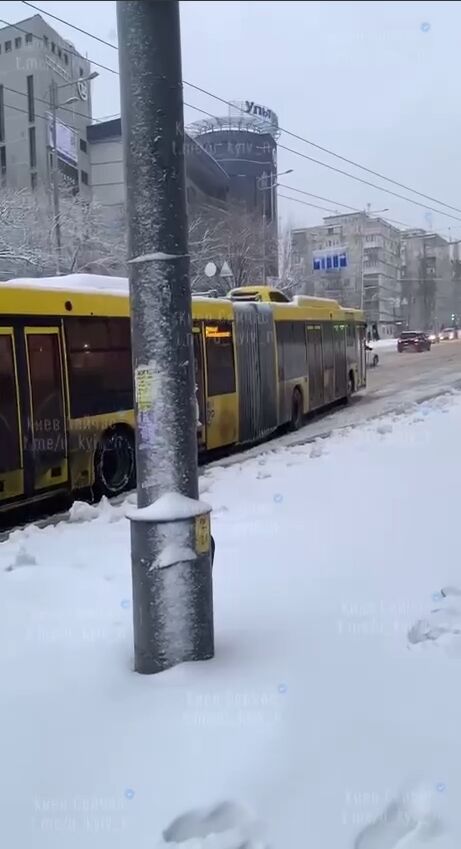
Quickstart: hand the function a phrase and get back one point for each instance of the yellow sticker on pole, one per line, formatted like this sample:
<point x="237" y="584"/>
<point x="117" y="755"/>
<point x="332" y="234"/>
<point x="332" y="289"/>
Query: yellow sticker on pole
<point x="202" y="534"/>
<point x="144" y="388"/>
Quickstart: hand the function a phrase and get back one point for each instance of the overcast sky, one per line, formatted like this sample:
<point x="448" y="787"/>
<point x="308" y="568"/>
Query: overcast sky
<point x="377" y="82"/>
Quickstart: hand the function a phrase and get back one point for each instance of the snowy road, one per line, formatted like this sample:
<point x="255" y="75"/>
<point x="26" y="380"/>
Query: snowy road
<point x="330" y="715"/>
<point x="399" y="381"/>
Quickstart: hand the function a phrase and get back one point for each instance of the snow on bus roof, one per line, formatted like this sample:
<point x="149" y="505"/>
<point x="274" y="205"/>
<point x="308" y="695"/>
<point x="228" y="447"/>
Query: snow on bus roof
<point x="87" y="283"/>
<point x="73" y="283"/>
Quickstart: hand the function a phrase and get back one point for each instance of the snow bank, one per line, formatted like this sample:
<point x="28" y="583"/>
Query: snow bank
<point x="328" y="702"/>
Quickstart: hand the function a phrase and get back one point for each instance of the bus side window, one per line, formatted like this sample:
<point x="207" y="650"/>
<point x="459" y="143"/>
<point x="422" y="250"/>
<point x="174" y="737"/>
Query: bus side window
<point x="100" y="373"/>
<point x="10" y="458"/>
<point x="292" y="351"/>
<point x="220" y="358"/>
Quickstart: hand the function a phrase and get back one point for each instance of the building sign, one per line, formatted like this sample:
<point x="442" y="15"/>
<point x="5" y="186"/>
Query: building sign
<point x="66" y="140"/>
<point x="82" y="89"/>
<point x="329" y="260"/>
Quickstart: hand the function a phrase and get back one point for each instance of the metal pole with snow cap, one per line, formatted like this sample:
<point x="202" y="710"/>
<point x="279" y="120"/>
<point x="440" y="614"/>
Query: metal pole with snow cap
<point x="170" y="527"/>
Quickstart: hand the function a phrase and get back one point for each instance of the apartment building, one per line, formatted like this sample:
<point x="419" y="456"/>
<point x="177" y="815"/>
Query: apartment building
<point x="354" y="258"/>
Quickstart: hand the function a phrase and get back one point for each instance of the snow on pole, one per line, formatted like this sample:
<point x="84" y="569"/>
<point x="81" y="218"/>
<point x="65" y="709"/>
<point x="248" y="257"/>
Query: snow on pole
<point x="171" y="564"/>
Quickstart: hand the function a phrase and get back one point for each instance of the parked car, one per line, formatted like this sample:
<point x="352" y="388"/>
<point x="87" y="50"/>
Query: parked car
<point x="413" y="340"/>
<point x="447" y="333"/>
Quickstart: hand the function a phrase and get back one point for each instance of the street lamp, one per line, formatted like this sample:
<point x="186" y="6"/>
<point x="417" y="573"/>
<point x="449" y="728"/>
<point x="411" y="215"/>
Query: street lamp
<point x="263" y="187"/>
<point x="54" y="88"/>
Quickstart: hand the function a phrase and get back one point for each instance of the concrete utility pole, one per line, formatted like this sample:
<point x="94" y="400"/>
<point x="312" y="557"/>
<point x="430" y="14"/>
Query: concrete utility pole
<point x="170" y="529"/>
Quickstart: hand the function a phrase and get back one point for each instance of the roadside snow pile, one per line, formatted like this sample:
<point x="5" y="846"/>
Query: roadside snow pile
<point x="328" y="693"/>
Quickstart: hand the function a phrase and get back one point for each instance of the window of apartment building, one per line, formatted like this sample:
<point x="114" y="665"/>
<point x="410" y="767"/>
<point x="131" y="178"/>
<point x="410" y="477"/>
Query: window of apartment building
<point x="7" y="46"/>
<point x="30" y="98"/>
<point x="53" y="47"/>
<point x="29" y="38"/>
<point x="32" y="148"/>
<point x="18" y="42"/>
<point x="59" y="52"/>
<point x="66" y="59"/>
<point x="81" y="72"/>
<point x="33" y="180"/>
<point x="2" y="116"/>
<point x="83" y="145"/>
<point x="2" y="161"/>
<point x="45" y="40"/>
<point x="84" y="177"/>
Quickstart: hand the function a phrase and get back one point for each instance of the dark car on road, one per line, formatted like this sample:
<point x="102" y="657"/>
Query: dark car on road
<point x="413" y="340"/>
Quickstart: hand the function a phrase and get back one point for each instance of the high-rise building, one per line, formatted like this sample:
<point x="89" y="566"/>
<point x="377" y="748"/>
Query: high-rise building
<point x="244" y="142"/>
<point x="38" y="66"/>
<point x="354" y="258"/>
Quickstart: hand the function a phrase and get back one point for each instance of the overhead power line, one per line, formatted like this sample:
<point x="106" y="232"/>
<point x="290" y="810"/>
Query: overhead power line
<point x="73" y="112"/>
<point x="287" y="132"/>
<point x="283" y="129"/>
<point x="319" y="197"/>
<point x="68" y="24"/>
<point x="344" y="173"/>
<point x="331" y="152"/>
<point x="306" y="203"/>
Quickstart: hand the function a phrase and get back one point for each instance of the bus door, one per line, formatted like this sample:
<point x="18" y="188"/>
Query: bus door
<point x="328" y="363"/>
<point x="315" y="361"/>
<point x="361" y="353"/>
<point x="339" y="337"/>
<point x="221" y="394"/>
<point x="200" y="387"/>
<point x="11" y="442"/>
<point x="46" y="454"/>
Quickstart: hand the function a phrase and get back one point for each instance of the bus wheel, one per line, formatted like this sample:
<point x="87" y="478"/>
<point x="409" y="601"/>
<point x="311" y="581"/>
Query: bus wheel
<point x="296" y="410"/>
<point x="115" y="463"/>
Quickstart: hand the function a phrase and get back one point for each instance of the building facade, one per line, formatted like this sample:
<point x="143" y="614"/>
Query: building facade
<point x="207" y="184"/>
<point x="35" y="61"/>
<point x="429" y="290"/>
<point x="354" y="258"/>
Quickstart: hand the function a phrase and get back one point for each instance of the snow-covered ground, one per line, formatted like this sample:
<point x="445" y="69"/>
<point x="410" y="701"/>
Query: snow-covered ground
<point x="330" y="717"/>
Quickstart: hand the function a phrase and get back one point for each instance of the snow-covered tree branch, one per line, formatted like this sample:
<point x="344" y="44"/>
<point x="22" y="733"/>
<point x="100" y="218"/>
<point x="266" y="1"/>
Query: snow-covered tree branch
<point x="28" y="245"/>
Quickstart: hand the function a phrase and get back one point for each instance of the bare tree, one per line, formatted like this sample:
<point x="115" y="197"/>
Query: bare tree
<point x="233" y="236"/>
<point x="90" y="241"/>
<point x="291" y="277"/>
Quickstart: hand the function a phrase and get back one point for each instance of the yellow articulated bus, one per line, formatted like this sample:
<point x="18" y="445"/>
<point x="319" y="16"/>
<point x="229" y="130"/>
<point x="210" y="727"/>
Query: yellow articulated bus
<point x="66" y="395"/>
